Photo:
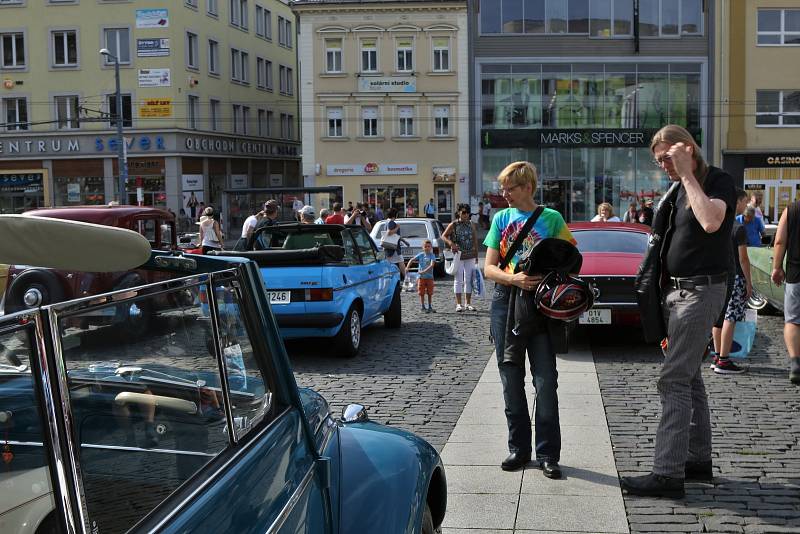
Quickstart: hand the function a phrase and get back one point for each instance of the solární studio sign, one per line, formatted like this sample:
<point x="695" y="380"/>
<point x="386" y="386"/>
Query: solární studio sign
<point x="559" y="137"/>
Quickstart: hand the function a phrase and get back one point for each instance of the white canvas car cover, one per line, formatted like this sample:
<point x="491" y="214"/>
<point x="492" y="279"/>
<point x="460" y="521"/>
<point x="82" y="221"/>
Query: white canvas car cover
<point x="70" y="245"/>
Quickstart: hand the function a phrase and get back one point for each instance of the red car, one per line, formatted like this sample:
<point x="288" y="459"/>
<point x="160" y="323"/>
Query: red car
<point x="611" y="253"/>
<point x="31" y="287"/>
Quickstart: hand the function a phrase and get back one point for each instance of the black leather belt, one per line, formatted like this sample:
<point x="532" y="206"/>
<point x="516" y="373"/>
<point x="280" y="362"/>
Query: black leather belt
<point x="691" y="282"/>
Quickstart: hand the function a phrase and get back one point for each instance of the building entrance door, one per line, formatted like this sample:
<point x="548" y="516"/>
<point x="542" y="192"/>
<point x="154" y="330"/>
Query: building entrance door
<point x="777" y="188"/>
<point x="556" y="194"/>
<point x="443" y="196"/>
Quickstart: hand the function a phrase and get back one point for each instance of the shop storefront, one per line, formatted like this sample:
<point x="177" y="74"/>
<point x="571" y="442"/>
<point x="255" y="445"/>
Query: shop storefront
<point x="773" y="177"/>
<point x="21" y="190"/>
<point x="586" y="126"/>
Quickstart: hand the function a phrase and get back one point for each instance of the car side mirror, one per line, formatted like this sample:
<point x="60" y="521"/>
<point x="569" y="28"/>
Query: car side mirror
<point x="354" y="413"/>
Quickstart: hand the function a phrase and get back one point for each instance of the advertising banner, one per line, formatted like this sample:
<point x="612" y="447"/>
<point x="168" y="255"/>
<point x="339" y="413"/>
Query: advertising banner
<point x="155" y="108"/>
<point x="192" y="182"/>
<point x="152" y="18"/>
<point x="444" y="174"/>
<point x="387" y="84"/>
<point x="154" y="78"/>
<point x="238" y="181"/>
<point x="367" y="169"/>
<point x="152" y="47"/>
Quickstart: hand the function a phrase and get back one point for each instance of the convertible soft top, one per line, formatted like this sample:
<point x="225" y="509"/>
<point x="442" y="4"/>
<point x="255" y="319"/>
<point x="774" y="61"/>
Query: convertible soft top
<point x="283" y="257"/>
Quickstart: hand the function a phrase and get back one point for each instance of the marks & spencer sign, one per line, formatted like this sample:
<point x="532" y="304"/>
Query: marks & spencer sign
<point x="586" y="137"/>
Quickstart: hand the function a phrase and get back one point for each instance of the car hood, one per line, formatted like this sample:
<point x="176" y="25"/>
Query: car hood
<point x="610" y="263"/>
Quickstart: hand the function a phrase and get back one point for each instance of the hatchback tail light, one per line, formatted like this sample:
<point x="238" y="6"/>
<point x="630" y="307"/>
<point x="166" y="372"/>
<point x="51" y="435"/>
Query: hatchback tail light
<point x="319" y="294"/>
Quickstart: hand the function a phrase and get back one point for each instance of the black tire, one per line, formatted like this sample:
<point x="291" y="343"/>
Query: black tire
<point x="427" y="521"/>
<point x="44" y="282"/>
<point x="348" y="340"/>
<point x="393" y="318"/>
<point x="133" y="317"/>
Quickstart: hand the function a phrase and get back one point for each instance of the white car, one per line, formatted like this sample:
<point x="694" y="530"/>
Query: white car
<point x="415" y="230"/>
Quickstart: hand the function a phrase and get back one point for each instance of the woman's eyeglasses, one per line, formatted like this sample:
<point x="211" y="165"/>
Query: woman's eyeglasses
<point x="509" y="190"/>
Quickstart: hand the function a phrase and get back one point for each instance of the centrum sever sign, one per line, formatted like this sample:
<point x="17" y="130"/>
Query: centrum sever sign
<point x="370" y="169"/>
<point x="392" y="84"/>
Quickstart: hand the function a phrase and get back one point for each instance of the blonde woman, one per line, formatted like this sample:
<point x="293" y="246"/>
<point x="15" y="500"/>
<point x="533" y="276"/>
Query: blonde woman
<point x="605" y="213"/>
<point x="518" y="185"/>
<point x="210" y="231"/>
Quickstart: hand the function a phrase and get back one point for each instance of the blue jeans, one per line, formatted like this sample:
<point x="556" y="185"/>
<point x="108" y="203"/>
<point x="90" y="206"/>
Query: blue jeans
<point x="545" y="379"/>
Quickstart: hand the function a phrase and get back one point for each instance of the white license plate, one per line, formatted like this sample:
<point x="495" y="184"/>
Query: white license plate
<point x="595" y="317"/>
<point x="279" y="297"/>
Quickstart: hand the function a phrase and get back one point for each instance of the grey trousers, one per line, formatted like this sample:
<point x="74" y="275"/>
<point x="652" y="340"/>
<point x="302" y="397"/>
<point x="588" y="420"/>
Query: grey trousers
<point x="684" y="432"/>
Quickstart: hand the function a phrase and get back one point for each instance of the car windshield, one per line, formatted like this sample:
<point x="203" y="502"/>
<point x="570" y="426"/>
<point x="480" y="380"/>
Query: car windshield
<point x="413" y="229"/>
<point x="610" y="241"/>
<point x="294" y="239"/>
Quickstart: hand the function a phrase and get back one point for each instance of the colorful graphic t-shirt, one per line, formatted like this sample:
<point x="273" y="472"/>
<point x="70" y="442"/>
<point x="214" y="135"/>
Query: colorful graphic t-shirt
<point x="425" y="260"/>
<point x="508" y="222"/>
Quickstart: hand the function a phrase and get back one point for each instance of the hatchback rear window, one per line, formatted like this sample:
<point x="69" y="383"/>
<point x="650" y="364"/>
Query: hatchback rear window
<point x="413" y="229"/>
<point x="610" y="241"/>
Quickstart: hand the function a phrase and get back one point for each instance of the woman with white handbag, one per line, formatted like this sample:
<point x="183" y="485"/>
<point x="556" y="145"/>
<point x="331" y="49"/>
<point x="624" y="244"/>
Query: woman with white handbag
<point x="462" y="237"/>
<point x="390" y="242"/>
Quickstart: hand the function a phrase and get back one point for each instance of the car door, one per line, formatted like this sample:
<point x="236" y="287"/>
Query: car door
<point x="375" y="283"/>
<point x="188" y="418"/>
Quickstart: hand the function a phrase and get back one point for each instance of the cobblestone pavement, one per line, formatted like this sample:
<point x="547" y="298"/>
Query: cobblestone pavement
<point x="756" y="433"/>
<point x="418" y="377"/>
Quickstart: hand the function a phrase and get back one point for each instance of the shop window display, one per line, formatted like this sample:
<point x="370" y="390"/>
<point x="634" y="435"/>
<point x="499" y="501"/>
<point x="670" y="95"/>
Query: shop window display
<point x="79" y="191"/>
<point x="404" y="198"/>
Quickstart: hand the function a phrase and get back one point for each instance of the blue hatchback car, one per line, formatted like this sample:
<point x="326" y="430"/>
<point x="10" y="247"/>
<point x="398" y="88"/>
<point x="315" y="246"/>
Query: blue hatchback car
<point x="325" y="280"/>
<point x="192" y="424"/>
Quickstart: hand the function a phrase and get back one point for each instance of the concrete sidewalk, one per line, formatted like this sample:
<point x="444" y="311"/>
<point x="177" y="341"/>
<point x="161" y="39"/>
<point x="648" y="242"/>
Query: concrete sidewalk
<point x="483" y="498"/>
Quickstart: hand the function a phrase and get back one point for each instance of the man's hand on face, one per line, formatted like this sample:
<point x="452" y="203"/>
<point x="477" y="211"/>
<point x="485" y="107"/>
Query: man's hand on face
<point x="681" y="156"/>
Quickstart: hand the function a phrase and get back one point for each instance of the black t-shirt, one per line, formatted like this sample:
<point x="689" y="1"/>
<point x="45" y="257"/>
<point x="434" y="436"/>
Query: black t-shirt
<point x="691" y="250"/>
<point x="739" y="239"/>
<point x="793" y="243"/>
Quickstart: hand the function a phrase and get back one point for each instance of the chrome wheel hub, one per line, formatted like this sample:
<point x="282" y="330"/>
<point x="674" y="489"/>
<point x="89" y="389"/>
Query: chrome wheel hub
<point x="32" y="297"/>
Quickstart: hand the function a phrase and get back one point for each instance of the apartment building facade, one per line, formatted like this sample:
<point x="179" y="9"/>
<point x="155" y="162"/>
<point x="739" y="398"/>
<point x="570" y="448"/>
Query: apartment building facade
<point x="758" y="104"/>
<point x="208" y="102"/>
<point x="384" y="101"/>
<point x="578" y="87"/>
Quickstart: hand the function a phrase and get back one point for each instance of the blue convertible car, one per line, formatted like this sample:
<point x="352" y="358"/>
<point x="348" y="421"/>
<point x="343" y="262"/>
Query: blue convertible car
<point x="195" y="424"/>
<point x="325" y="280"/>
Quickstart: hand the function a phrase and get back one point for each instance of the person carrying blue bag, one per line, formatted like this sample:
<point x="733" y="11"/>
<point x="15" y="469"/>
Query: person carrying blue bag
<point x="723" y="331"/>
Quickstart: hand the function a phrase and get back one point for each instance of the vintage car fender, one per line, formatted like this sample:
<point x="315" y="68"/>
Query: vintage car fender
<point x="387" y="476"/>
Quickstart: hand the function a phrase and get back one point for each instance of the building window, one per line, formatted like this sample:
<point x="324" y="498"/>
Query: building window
<point x="15" y="112"/>
<point x="239" y="66"/>
<point x="287" y="122"/>
<point x="779" y="27"/>
<point x="611" y="18"/>
<point x="192" y="111"/>
<point x="441" y="54"/>
<point x="213" y="114"/>
<point x="335" y="122"/>
<point x="67" y="112"/>
<point x="12" y="50"/>
<point x="263" y="22"/>
<point x="191" y="3"/>
<point x="118" y="43"/>
<point x="668" y="18"/>
<point x="441" y="121"/>
<point x="192" y="51"/>
<point x="778" y="108"/>
<point x="270" y="119"/>
<point x="284" y="32"/>
<point x="406" y="118"/>
<point x="238" y="13"/>
<point x="261" y="117"/>
<point x="333" y="55"/>
<point x="286" y="80"/>
<point x="245" y="120"/>
<point x="369" y="55"/>
<point x="405" y="54"/>
<point x="264" y="73"/>
<point x="127" y="111"/>
<point x="212" y="8"/>
<point x="65" y="48"/>
<point x="237" y="118"/>
<point x="369" y="120"/>
<point x="213" y="57"/>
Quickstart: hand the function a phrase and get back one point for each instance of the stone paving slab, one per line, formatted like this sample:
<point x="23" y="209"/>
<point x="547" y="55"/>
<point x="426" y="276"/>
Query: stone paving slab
<point x="574" y="513"/>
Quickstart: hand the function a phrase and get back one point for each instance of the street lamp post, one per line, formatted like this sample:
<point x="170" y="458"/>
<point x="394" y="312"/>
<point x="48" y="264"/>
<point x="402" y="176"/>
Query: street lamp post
<point x="122" y="162"/>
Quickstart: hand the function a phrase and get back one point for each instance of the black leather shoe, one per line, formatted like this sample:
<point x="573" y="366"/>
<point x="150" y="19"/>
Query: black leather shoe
<point x="515" y="460"/>
<point x="699" y="471"/>
<point x="551" y="469"/>
<point x="653" y="485"/>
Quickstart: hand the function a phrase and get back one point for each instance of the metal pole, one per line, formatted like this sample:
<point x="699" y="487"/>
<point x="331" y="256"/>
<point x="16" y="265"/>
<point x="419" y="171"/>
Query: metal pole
<point x="122" y="163"/>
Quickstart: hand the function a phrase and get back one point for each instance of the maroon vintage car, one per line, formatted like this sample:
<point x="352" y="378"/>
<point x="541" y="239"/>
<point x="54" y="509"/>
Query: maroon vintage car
<point x="30" y="286"/>
<point x="611" y="253"/>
